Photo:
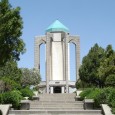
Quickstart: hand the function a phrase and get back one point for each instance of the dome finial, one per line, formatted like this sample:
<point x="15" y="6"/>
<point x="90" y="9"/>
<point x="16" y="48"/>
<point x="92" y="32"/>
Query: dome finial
<point x="57" y="26"/>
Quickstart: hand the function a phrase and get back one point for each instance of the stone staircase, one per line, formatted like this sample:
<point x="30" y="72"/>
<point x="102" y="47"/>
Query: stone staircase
<point x="56" y="104"/>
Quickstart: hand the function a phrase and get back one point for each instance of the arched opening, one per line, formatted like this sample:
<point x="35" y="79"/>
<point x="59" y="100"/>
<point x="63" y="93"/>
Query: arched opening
<point x="42" y="62"/>
<point x="72" y="59"/>
<point x="57" y="89"/>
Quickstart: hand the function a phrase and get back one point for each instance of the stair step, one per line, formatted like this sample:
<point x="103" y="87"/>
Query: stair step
<point x="56" y="104"/>
<point x="51" y="108"/>
<point x="57" y="114"/>
<point x="60" y="106"/>
<point x="90" y="112"/>
<point x="46" y="102"/>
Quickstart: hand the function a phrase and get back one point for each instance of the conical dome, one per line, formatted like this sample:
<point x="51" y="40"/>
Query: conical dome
<point x="57" y="26"/>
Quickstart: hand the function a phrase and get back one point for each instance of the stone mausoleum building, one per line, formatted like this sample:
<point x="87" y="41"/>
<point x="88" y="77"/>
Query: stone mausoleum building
<point x="57" y="39"/>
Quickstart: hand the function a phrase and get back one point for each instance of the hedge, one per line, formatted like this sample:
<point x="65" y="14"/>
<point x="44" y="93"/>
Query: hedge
<point x="26" y="92"/>
<point x="12" y="97"/>
<point x="100" y="96"/>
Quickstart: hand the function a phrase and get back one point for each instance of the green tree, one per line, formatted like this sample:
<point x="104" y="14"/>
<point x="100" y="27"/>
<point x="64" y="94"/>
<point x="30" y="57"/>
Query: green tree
<point x="11" y="71"/>
<point x="9" y="85"/>
<point x="11" y="45"/>
<point x="10" y="77"/>
<point x="106" y="71"/>
<point x="110" y="80"/>
<point x="2" y="86"/>
<point x="30" y="77"/>
<point x="90" y="64"/>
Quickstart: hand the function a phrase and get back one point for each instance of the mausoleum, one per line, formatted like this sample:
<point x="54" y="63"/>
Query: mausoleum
<point x="57" y="39"/>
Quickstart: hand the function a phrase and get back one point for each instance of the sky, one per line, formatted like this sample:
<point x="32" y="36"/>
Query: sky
<point x="92" y="20"/>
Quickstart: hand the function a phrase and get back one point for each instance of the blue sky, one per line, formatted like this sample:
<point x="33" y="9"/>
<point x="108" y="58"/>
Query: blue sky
<point x="92" y="20"/>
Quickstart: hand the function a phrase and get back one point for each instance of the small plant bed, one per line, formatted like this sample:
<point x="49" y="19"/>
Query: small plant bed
<point x="14" y="97"/>
<point x="100" y="96"/>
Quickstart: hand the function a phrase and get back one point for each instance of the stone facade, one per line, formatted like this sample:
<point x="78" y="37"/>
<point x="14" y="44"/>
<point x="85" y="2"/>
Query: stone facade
<point x="57" y="59"/>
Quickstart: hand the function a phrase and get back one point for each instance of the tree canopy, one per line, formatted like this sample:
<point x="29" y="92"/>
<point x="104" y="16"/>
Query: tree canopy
<point x="11" y="45"/>
<point x="90" y="65"/>
<point x="98" y="67"/>
<point x="106" y="71"/>
<point x="11" y="71"/>
<point x="10" y="76"/>
<point x="30" y="77"/>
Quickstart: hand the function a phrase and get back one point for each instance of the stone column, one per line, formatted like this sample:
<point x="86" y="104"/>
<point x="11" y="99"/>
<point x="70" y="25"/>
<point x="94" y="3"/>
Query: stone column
<point x="76" y="41"/>
<point x="62" y="89"/>
<point x="39" y="58"/>
<point x="66" y="61"/>
<point x="51" y="88"/>
<point x="48" y="64"/>
<point x="37" y="55"/>
<point x="77" y="58"/>
<point x="64" y="77"/>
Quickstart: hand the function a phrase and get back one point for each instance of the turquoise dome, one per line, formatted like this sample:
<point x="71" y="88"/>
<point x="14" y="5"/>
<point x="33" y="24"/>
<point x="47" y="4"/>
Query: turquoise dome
<point x="57" y="26"/>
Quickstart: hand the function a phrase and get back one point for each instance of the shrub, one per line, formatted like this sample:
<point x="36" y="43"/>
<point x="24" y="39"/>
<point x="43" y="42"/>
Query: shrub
<point x="94" y="92"/>
<point x="101" y="96"/>
<point x="10" y="84"/>
<point x="113" y="110"/>
<point x="2" y="86"/>
<point x="111" y="98"/>
<point x="110" y="80"/>
<point x="1" y="99"/>
<point x="85" y="93"/>
<point x="105" y="96"/>
<point x="80" y="84"/>
<point x="12" y="97"/>
<point x="26" y="92"/>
